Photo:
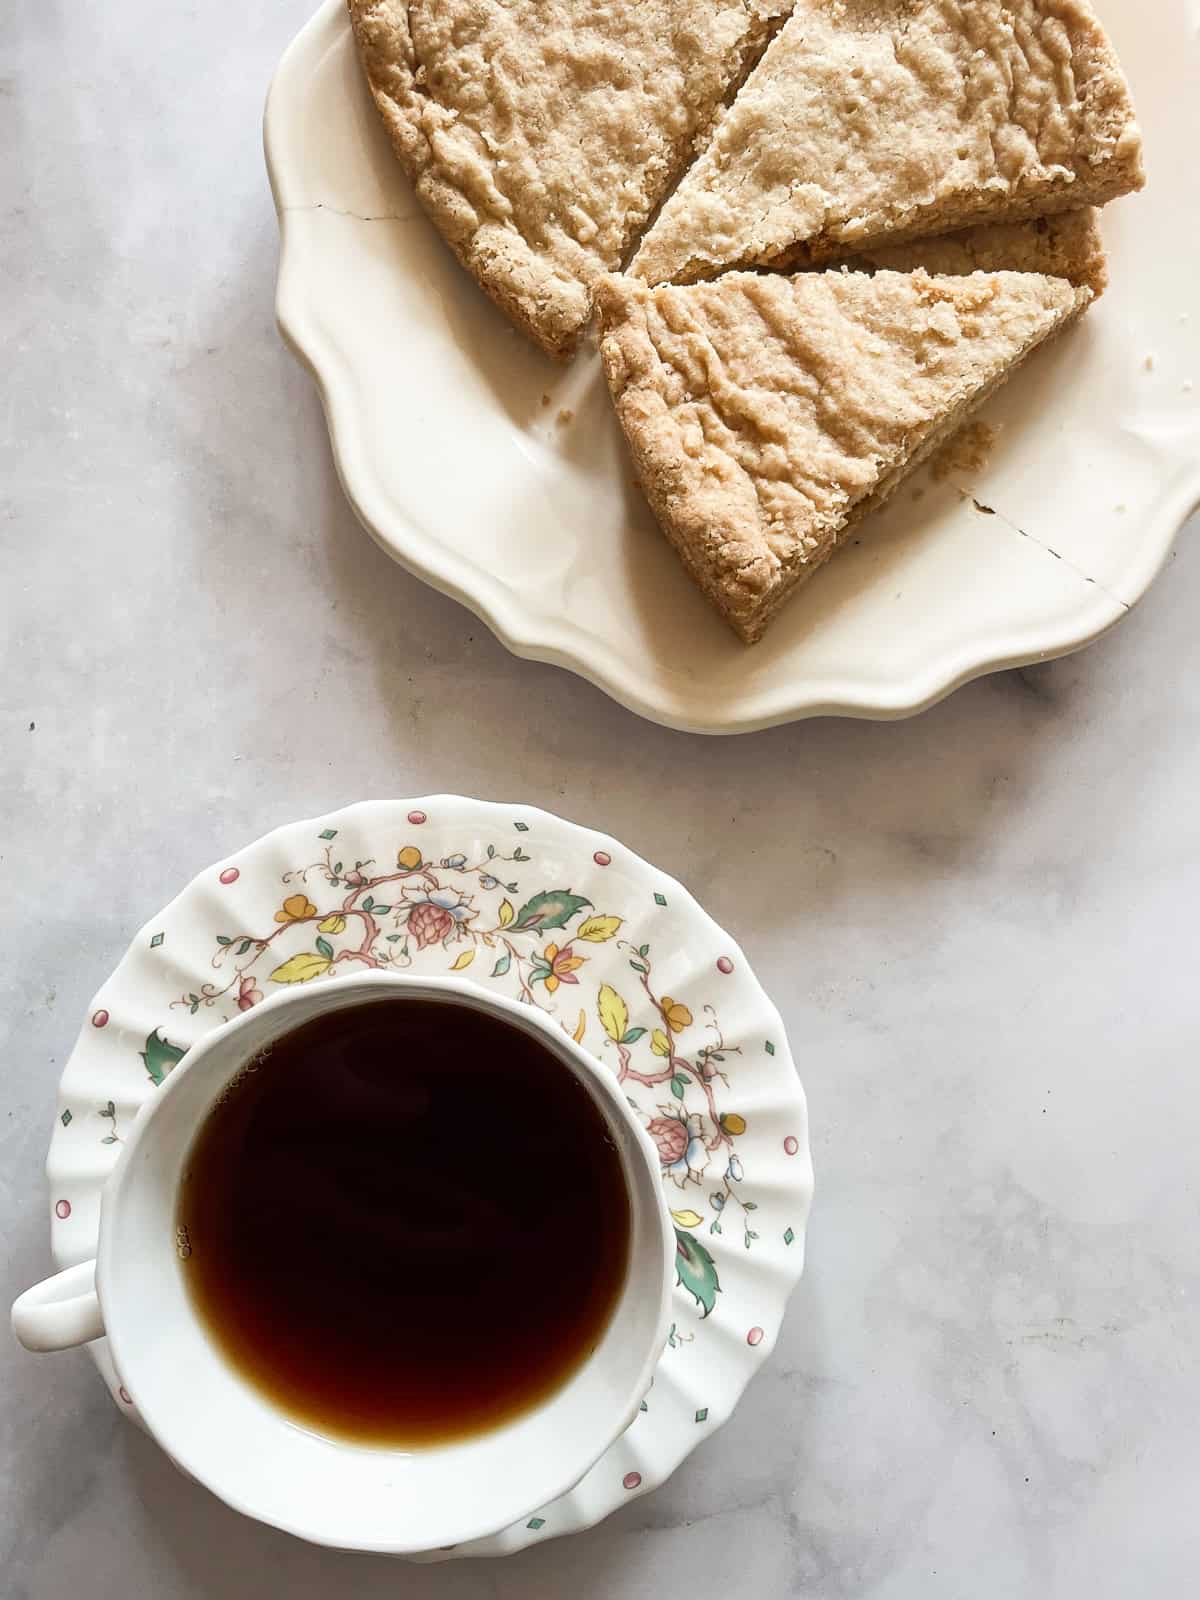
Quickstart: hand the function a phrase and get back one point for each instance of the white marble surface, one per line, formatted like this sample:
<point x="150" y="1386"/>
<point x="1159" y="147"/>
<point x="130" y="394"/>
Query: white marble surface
<point x="978" y="924"/>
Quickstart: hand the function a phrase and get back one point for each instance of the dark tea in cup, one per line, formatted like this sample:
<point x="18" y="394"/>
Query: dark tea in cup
<point x="405" y="1222"/>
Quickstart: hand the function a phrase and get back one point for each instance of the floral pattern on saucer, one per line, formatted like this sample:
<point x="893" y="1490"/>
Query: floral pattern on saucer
<point x="552" y="916"/>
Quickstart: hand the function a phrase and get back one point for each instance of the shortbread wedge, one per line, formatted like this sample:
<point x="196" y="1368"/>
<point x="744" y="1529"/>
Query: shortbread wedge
<point x="1066" y="245"/>
<point x="767" y="414"/>
<point x="540" y="135"/>
<point x="871" y="122"/>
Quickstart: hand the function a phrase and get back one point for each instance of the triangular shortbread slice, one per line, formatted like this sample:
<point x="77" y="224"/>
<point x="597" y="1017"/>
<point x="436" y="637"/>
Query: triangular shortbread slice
<point x="766" y="414"/>
<point x="541" y="136"/>
<point x="877" y="121"/>
<point x="1066" y="245"/>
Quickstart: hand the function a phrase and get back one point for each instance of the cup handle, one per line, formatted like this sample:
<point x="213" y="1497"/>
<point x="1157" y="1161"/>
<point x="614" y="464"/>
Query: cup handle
<point x="60" y="1311"/>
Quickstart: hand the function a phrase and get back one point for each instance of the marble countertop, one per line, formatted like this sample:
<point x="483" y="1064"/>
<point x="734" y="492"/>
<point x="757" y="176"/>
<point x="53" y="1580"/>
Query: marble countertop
<point x="976" y="923"/>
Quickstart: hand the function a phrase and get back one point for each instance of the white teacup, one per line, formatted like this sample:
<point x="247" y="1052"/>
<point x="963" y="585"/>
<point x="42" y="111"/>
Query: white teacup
<point x="227" y="1435"/>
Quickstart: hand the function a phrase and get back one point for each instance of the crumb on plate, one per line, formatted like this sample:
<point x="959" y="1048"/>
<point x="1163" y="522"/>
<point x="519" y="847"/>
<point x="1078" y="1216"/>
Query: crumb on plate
<point x="967" y="451"/>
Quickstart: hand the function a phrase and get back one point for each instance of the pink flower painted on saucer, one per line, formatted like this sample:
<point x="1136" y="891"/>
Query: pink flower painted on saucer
<point x="249" y="994"/>
<point x="681" y="1147"/>
<point x="556" y="966"/>
<point x="436" y="914"/>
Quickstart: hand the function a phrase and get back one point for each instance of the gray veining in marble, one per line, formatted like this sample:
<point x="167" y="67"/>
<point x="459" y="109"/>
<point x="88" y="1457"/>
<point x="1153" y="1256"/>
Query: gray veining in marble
<point x="979" y="924"/>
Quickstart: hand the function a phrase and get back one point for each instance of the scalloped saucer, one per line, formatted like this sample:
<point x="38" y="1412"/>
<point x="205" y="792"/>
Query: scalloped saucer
<point x="446" y="431"/>
<point x="551" y="914"/>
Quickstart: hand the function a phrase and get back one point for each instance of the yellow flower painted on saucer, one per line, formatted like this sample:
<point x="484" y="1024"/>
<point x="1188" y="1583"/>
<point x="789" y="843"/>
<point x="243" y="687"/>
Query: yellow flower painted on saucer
<point x="295" y="908"/>
<point x="333" y="924"/>
<point x="733" y="1123"/>
<point x="677" y="1016"/>
<point x="563" y="966"/>
<point x="659" y="1043"/>
<point x="408" y="858"/>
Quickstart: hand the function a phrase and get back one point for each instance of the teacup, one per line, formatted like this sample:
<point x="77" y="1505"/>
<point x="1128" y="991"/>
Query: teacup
<point x="222" y="1431"/>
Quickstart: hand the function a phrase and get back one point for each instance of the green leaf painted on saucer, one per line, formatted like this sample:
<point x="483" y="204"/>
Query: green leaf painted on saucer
<point x="695" y="1271"/>
<point x="554" y="908"/>
<point x="160" y="1056"/>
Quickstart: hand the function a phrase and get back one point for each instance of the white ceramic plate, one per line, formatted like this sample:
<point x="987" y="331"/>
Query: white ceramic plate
<point x="459" y="470"/>
<point x="547" y="912"/>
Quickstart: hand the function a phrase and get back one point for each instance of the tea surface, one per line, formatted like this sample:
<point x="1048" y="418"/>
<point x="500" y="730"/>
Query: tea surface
<point x="407" y="1223"/>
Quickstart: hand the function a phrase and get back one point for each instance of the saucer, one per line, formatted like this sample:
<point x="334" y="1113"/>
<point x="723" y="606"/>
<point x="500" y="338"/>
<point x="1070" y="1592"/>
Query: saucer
<point x="547" y="913"/>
